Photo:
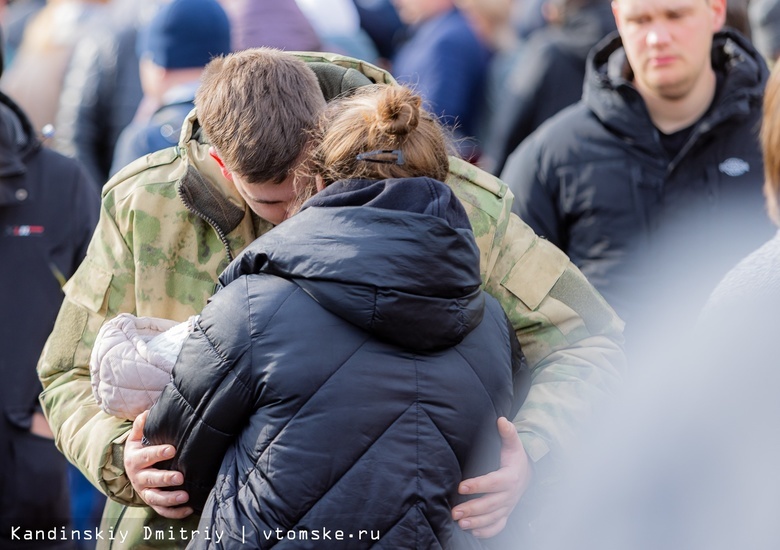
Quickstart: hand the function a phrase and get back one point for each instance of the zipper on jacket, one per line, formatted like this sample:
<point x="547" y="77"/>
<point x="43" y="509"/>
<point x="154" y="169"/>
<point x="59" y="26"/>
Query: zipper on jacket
<point x="700" y="131"/>
<point x="208" y="220"/>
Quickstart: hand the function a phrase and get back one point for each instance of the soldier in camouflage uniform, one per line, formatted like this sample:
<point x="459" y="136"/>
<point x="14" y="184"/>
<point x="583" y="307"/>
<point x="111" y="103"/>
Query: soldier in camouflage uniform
<point x="172" y="221"/>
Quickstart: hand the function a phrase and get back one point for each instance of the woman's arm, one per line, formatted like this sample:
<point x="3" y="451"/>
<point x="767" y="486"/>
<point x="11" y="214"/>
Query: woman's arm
<point x="210" y="397"/>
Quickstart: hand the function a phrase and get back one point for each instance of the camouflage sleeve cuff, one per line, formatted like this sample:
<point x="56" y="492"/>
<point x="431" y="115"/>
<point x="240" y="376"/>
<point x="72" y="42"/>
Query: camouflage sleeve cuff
<point x="114" y="480"/>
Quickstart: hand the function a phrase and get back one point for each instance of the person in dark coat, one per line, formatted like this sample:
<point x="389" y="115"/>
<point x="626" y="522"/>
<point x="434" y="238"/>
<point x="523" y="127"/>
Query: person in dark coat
<point x="547" y="77"/>
<point x="444" y="59"/>
<point x="658" y="163"/>
<point x="48" y="209"/>
<point x="102" y="89"/>
<point x="351" y="367"/>
<point x="699" y="472"/>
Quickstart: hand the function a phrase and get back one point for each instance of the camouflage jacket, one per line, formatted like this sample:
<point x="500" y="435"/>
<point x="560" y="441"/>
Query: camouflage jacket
<point x="170" y="223"/>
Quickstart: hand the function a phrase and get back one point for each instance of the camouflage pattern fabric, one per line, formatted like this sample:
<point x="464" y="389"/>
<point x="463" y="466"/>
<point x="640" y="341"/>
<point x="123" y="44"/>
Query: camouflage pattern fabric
<point x="170" y="223"/>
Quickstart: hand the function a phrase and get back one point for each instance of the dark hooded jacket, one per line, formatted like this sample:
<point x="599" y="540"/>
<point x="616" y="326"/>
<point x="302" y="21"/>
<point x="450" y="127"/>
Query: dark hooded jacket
<point x="597" y="181"/>
<point x="352" y="369"/>
<point x="546" y="78"/>
<point x="48" y="210"/>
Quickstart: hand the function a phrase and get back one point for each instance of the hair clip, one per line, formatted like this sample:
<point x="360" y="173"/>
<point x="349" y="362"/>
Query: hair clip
<point x="384" y="156"/>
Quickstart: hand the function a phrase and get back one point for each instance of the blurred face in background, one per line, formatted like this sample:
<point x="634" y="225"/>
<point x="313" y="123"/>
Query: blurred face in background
<point x="668" y="43"/>
<point x="413" y="12"/>
<point x="490" y="19"/>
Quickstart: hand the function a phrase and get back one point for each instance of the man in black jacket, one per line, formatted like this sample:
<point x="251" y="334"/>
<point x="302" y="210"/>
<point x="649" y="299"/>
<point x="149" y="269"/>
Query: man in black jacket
<point x="657" y="170"/>
<point x="48" y="209"/>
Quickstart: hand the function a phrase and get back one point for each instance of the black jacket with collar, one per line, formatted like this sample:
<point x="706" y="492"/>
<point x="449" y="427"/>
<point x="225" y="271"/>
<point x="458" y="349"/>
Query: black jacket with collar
<point x="48" y="210"/>
<point x="597" y="181"/>
<point x="352" y="369"/>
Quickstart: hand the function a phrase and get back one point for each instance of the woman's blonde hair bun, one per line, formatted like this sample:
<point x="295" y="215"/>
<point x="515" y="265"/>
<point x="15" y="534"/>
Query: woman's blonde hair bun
<point x="398" y="111"/>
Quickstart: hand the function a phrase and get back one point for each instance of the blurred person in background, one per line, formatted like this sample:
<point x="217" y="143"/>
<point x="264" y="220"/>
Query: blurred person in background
<point x="445" y="60"/>
<point x="35" y="79"/>
<point x="527" y="17"/>
<point x="48" y="210"/>
<point x="548" y="77"/>
<point x="102" y="88"/>
<point x="687" y="460"/>
<point x="272" y="23"/>
<point x="737" y="17"/>
<point x="173" y="48"/>
<point x="658" y="160"/>
<point x="380" y="20"/>
<point x="13" y="20"/>
<point x="337" y="23"/>
<point x="491" y="21"/>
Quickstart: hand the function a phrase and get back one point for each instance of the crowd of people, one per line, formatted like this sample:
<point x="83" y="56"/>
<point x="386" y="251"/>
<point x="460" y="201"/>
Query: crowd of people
<point x="405" y="270"/>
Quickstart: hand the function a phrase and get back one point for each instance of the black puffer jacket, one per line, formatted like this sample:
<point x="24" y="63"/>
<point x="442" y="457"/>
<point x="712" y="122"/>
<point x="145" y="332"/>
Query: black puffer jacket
<point x="596" y="180"/>
<point x="48" y="210"/>
<point x="330" y="355"/>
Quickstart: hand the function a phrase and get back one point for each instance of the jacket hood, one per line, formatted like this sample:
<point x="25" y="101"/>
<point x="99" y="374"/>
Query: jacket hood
<point x="395" y="257"/>
<point x="17" y="138"/>
<point x="609" y="94"/>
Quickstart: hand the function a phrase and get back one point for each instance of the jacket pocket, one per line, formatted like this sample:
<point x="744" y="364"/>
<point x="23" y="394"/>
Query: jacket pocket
<point x="535" y="273"/>
<point x="89" y="286"/>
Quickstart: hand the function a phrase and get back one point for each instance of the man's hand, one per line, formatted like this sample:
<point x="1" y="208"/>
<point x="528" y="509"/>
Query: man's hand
<point x="488" y="514"/>
<point x="146" y="480"/>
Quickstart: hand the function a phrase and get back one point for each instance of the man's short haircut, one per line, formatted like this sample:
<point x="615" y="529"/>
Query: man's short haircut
<point x="770" y="144"/>
<point x="257" y="108"/>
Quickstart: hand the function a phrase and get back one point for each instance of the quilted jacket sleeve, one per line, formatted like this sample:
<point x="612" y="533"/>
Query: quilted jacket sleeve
<point x="210" y="397"/>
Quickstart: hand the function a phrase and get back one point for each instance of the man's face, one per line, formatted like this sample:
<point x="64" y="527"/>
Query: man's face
<point x="270" y="201"/>
<point x="413" y="12"/>
<point x="668" y="42"/>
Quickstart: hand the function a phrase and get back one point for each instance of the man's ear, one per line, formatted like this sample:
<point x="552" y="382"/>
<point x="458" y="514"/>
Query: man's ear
<point x="225" y="172"/>
<point x="719" y="12"/>
<point x="319" y="183"/>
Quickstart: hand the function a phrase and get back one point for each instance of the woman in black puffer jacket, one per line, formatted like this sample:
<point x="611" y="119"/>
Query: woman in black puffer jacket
<point x="351" y="370"/>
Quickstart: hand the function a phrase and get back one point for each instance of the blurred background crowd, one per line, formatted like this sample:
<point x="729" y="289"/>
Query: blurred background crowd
<point x="494" y="69"/>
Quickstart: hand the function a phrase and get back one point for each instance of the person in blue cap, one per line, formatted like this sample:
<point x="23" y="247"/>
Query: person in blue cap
<point x="173" y="49"/>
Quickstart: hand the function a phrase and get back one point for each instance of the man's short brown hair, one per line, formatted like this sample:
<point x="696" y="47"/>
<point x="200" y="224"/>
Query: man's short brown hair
<point x="257" y="107"/>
